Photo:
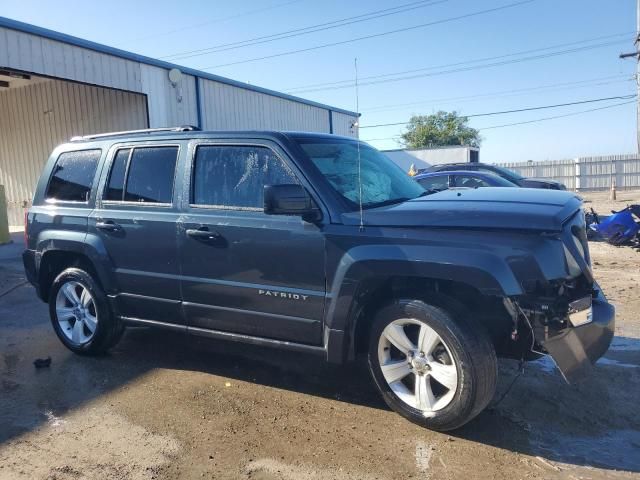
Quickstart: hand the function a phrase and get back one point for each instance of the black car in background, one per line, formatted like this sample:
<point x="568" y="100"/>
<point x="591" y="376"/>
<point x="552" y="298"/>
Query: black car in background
<point x="438" y="181"/>
<point x="510" y="175"/>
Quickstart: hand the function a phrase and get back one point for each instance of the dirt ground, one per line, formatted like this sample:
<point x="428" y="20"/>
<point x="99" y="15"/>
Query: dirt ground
<point x="167" y="407"/>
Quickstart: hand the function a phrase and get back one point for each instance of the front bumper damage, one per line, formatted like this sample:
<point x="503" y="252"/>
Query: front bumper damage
<point x="576" y="349"/>
<point x="579" y="339"/>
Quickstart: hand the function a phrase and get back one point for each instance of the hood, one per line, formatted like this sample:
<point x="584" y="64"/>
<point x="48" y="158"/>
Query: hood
<point x="526" y="181"/>
<point x="488" y="208"/>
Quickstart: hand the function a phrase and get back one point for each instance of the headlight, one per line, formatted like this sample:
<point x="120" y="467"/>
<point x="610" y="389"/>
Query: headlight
<point x="572" y="264"/>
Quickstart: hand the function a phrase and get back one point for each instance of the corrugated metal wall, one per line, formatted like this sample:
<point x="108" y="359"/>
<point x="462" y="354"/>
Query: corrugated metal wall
<point x="36" y="118"/>
<point x="226" y="107"/>
<point x="34" y="54"/>
<point x="169" y="105"/>
<point x="586" y="173"/>
<point x="223" y="106"/>
<point x="342" y="125"/>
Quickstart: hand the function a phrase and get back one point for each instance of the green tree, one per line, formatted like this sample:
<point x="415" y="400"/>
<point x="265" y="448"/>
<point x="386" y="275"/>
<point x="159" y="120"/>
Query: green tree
<point x="439" y="130"/>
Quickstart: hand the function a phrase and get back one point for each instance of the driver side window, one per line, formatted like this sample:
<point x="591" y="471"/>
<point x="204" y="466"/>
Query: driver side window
<point x="230" y="176"/>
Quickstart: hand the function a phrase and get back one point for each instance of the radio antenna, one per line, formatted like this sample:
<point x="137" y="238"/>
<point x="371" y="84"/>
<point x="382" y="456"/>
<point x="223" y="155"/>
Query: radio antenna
<point x="357" y="125"/>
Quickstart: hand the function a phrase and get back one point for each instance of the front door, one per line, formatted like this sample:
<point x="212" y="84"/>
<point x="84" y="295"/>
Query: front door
<point x="244" y="271"/>
<point x="135" y="220"/>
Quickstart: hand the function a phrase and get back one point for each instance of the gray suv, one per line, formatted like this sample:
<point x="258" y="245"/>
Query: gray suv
<point x="318" y="244"/>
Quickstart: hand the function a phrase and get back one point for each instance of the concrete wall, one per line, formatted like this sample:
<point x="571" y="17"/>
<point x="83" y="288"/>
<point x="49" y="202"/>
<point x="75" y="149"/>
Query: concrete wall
<point x="37" y="117"/>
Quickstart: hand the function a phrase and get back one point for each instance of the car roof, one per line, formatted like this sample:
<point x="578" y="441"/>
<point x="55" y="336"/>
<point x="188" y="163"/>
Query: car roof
<point x="462" y="164"/>
<point x="456" y="172"/>
<point x="190" y="132"/>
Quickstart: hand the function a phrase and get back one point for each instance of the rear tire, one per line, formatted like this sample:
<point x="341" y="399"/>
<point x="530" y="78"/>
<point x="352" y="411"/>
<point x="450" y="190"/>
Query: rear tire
<point x="432" y="366"/>
<point x="81" y="315"/>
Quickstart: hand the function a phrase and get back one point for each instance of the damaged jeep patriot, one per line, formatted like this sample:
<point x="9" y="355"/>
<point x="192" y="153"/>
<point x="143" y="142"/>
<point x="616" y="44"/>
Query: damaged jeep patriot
<point x="314" y="243"/>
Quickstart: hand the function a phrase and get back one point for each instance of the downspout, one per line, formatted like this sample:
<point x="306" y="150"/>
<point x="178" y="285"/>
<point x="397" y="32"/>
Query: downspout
<point x="331" y="121"/>
<point x="198" y="106"/>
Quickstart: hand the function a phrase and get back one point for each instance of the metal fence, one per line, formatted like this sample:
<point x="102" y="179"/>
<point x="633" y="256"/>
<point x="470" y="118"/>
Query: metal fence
<point x="586" y="173"/>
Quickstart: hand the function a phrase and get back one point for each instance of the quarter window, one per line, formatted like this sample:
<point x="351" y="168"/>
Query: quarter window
<point x="144" y="175"/>
<point x="469" y="181"/>
<point x="436" y="182"/>
<point x="73" y="176"/>
<point x="235" y="176"/>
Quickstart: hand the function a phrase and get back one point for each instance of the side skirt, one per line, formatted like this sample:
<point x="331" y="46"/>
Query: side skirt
<point x="234" y="337"/>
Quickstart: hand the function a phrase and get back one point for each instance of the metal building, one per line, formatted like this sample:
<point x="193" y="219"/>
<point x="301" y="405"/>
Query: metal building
<point x="54" y="86"/>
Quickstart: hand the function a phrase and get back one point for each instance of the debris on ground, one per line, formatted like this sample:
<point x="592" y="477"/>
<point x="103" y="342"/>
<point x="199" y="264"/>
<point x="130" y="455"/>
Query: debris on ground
<point x="42" y="362"/>
<point x="620" y="228"/>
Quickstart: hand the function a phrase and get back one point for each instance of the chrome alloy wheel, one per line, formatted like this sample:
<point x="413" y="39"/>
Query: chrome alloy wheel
<point x="76" y="312"/>
<point x="417" y="365"/>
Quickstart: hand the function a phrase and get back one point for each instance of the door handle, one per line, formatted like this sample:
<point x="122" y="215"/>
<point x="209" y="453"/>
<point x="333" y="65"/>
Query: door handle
<point x="109" y="226"/>
<point x="204" y="235"/>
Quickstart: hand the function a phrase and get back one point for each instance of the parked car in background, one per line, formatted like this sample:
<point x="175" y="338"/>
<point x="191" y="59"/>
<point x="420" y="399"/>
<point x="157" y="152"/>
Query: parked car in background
<point x="527" y="182"/>
<point x="438" y="181"/>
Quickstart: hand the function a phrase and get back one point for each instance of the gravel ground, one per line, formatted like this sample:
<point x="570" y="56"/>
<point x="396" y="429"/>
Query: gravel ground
<point x="168" y="407"/>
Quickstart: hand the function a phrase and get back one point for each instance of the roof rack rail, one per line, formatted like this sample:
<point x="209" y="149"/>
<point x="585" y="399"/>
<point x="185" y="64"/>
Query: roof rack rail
<point x="183" y="128"/>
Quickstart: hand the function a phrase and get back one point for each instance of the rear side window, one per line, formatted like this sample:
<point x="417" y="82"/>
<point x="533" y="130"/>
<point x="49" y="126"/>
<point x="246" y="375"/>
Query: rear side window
<point x="73" y="176"/>
<point x="469" y="181"/>
<point x="143" y="175"/>
<point x="115" y="188"/>
<point x="235" y="176"/>
<point x="437" y="182"/>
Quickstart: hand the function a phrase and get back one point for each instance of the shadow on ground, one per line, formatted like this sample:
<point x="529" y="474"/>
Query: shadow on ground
<point x="591" y="424"/>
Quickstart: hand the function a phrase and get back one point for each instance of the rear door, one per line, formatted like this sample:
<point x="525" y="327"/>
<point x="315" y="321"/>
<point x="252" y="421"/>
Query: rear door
<point x="244" y="271"/>
<point x="135" y="219"/>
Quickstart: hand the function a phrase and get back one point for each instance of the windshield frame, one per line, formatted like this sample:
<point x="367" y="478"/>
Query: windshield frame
<point x="345" y="203"/>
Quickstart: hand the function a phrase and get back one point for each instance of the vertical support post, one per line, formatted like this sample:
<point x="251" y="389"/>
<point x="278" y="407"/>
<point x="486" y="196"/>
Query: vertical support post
<point x="637" y="45"/>
<point x="198" y="104"/>
<point x="4" y="218"/>
<point x="577" y="174"/>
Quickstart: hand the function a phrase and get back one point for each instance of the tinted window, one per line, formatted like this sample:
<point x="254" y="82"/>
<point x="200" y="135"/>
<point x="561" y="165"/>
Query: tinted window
<point x="440" y="182"/>
<point x="151" y="173"/>
<point x="115" y="188"/>
<point x="236" y="176"/>
<point x="469" y="181"/>
<point x="73" y="175"/>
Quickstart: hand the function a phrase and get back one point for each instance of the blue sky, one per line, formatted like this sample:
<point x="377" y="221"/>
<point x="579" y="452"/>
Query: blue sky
<point x="159" y="28"/>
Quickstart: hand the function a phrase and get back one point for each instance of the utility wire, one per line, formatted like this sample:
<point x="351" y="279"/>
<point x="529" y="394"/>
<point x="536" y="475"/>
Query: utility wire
<point x="217" y="20"/>
<point x="306" y="30"/>
<point x="349" y="82"/>
<point x="375" y="35"/>
<point x="608" y="80"/>
<point x="544" y="119"/>
<point x="528" y="109"/>
<point x="473" y="67"/>
<point x="556" y="116"/>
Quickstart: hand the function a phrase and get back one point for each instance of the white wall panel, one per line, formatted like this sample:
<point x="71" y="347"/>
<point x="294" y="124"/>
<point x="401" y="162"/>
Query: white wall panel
<point x="31" y="53"/>
<point x="36" y="118"/>
<point x="169" y="106"/>
<point x="342" y="125"/>
<point x="225" y="107"/>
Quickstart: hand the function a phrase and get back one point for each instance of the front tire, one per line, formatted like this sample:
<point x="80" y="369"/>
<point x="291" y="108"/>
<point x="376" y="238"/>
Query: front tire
<point x="437" y="369"/>
<point x="81" y="315"/>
